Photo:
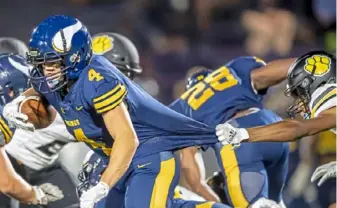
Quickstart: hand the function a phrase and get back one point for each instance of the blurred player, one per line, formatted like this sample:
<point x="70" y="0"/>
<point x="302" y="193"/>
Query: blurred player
<point x="233" y="93"/>
<point x="312" y="83"/>
<point x="13" y="45"/>
<point x="110" y="113"/>
<point x="14" y="80"/>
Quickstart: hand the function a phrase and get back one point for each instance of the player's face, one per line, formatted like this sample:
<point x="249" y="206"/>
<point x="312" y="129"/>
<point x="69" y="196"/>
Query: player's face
<point x="302" y="107"/>
<point x="52" y="72"/>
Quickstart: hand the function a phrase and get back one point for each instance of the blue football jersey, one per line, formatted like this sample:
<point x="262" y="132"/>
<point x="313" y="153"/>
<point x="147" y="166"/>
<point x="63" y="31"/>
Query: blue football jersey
<point x="102" y="87"/>
<point x="6" y="131"/>
<point x="223" y="93"/>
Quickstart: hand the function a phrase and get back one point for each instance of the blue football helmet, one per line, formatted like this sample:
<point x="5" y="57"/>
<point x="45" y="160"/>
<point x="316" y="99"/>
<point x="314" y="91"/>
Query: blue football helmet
<point x="197" y="77"/>
<point x="13" y="77"/>
<point x="58" y="39"/>
<point x="90" y="173"/>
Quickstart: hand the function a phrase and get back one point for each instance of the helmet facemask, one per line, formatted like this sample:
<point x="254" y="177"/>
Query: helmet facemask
<point x="52" y="82"/>
<point x="302" y="97"/>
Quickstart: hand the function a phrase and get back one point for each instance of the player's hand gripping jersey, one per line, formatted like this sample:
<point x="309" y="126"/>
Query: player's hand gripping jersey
<point x="216" y="99"/>
<point x="100" y="88"/>
<point x="222" y="94"/>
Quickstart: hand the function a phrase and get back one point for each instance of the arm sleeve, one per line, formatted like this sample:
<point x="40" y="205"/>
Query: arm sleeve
<point x="108" y="96"/>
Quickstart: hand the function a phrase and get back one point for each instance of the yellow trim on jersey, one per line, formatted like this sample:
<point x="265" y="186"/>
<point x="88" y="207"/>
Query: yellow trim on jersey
<point x="232" y="171"/>
<point x="112" y="99"/>
<point x="7" y="138"/>
<point x="162" y="184"/>
<point x="102" y="97"/>
<point x="5" y="130"/>
<point x="112" y="106"/>
<point x="205" y="205"/>
<point x="326" y="143"/>
<point x="326" y="97"/>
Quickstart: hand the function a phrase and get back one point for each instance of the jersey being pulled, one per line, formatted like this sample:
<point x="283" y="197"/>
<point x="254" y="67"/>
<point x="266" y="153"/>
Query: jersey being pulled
<point x="223" y="93"/>
<point x="100" y="88"/>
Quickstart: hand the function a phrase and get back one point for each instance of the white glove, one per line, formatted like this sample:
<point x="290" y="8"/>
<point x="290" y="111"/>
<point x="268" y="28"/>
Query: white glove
<point x="14" y="117"/>
<point x="265" y="203"/>
<point x="325" y="171"/>
<point x="227" y="134"/>
<point x="46" y="193"/>
<point x="94" y="195"/>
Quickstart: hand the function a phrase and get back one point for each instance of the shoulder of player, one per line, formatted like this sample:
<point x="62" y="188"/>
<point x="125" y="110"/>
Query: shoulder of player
<point x="99" y="71"/>
<point x="242" y="61"/>
<point x="322" y="94"/>
<point x="323" y="98"/>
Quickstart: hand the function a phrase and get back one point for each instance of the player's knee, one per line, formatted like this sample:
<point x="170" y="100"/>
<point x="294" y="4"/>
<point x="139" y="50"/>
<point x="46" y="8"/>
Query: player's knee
<point x="254" y="185"/>
<point x="247" y="189"/>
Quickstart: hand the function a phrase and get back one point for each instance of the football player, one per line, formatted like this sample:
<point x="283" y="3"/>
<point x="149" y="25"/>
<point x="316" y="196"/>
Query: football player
<point x="93" y="167"/>
<point x="13" y="80"/>
<point x="124" y="56"/>
<point x="132" y="131"/>
<point x="233" y="93"/>
<point x="312" y="84"/>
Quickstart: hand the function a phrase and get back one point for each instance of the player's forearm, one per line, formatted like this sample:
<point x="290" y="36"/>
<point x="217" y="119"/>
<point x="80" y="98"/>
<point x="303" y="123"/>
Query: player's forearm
<point x="120" y="160"/>
<point x="198" y="186"/>
<point x="271" y="74"/>
<point x="19" y="189"/>
<point x="13" y="184"/>
<point x="284" y="131"/>
<point x="191" y="173"/>
<point x="290" y="129"/>
<point x="203" y="190"/>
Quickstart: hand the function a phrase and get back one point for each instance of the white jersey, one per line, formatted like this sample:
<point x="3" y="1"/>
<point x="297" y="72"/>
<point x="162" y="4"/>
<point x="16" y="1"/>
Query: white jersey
<point x="322" y="99"/>
<point x="39" y="149"/>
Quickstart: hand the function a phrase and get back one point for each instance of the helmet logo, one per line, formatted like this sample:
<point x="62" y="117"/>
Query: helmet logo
<point x="19" y="66"/>
<point x="102" y="44"/>
<point x="317" y="65"/>
<point x="62" y="40"/>
<point x="200" y="77"/>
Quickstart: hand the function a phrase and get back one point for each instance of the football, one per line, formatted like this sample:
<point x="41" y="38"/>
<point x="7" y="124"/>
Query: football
<point x="37" y="111"/>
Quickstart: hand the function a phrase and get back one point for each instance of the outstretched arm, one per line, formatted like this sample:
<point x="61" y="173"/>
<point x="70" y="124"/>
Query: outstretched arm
<point x="11" y="183"/>
<point x="290" y="130"/>
<point x="271" y="74"/>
